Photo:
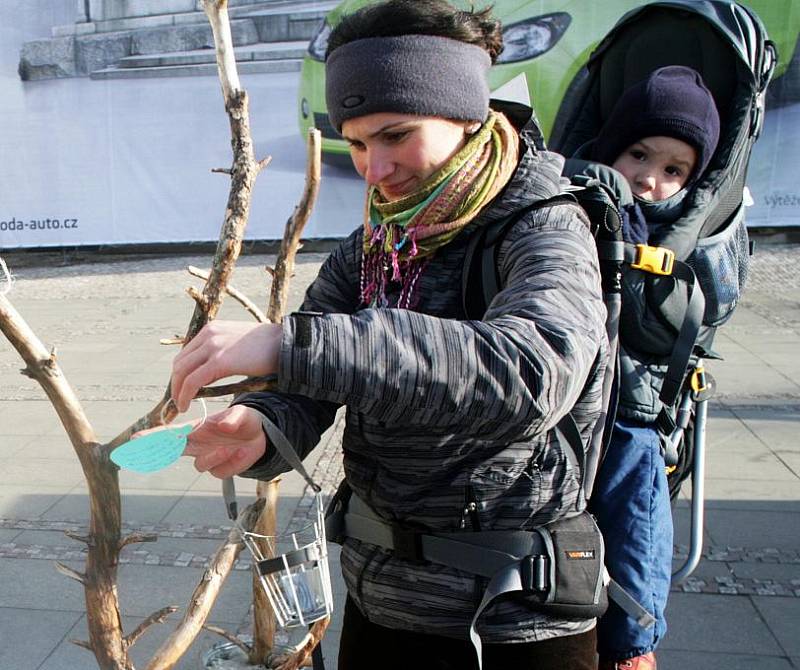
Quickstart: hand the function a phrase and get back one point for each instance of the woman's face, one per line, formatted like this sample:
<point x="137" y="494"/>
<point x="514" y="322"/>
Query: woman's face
<point x="396" y="153"/>
<point x="657" y="167"/>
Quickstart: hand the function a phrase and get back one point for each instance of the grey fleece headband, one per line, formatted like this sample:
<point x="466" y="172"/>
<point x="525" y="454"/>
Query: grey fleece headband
<point x="424" y="75"/>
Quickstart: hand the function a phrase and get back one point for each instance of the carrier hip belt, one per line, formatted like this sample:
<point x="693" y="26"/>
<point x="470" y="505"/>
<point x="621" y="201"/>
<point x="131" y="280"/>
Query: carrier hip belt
<point x="514" y="561"/>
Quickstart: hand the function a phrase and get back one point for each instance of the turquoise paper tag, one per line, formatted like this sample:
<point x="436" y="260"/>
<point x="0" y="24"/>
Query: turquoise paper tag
<point x="152" y="452"/>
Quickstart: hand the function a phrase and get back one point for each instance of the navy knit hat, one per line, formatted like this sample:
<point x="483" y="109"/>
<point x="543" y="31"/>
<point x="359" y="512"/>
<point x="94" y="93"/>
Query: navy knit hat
<point x="672" y="101"/>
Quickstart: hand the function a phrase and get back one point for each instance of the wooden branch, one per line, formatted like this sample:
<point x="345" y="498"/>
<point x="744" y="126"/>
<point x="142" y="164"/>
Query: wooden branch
<point x="240" y="297"/>
<point x="198" y="297"/>
<point x="245" y="386"/>
<point x="100" y="576"/>
<point x="83" y="643"/>
<point x="230" y="637"/>
<point x="284" y="265"/>
<point x="205" y="594"/>
<point x="86" y="539"/>
<point x="137" y="537"/>
<point x="72" y="574"/>
<point x="172" y="340"/>
<point x="154" y="618"/>
<point x="301" y="656"/>
<point x="217" y="13"/>
<point x="244" y="170"/>
<point x="264" y="623"/>
<point x="41" y="365"/>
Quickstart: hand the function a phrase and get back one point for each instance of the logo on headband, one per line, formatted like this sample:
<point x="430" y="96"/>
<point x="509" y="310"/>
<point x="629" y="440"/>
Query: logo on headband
<point x="353" y="101"/>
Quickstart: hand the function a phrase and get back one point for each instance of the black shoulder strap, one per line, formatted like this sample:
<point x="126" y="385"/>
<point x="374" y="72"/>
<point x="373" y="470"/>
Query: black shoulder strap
<point x="480" y="280"/>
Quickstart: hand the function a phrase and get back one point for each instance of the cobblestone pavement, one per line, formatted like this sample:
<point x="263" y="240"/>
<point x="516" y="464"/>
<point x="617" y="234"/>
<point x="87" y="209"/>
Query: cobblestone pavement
<point x="105" y="319"/>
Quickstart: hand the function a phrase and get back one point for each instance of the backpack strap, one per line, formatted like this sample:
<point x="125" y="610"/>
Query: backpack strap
<point x="662" y="262"/>
<point x="479" y="285"/>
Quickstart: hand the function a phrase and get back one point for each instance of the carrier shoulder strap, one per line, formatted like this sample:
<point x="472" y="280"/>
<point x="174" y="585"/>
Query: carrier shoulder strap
<point x="683" y="348"/>
<point x="481" y="282"/>
<point x="479" y="285"/>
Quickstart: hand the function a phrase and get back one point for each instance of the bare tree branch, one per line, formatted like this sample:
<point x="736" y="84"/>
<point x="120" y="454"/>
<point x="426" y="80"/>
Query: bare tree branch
<point x="302" y="653"/>
<point x="100" y="577"/>
<point x="205" y="594"/>
<point x="137" y="537"/>
<point x="72" y="574"/>
<point x="198" y="297"/>
<point x="83" y="643"/>
<point x="240" y="297"/>
<point x="86" y="539"/>
<point x="245" y="386"/>
<point x="106" y="640"/>
<point x="284" y="266"/>
<point x="217" y="13"/>
<point x="154" y="618"/>
<point x="229" y="636"/>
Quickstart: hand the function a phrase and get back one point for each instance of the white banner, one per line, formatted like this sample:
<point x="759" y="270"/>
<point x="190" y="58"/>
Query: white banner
<point x="128" y="161"/>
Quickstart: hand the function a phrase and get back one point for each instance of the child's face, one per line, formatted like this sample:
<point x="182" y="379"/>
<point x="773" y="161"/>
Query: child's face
<point x="657" y="167"/>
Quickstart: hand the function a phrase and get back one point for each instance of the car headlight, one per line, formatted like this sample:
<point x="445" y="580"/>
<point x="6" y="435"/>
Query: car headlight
<point x="532" y="37"/>
<point x="319" y="43"/>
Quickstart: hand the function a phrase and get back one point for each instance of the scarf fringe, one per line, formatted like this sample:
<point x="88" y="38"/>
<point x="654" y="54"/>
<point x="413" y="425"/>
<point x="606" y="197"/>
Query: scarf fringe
<point x="399" y="247"/>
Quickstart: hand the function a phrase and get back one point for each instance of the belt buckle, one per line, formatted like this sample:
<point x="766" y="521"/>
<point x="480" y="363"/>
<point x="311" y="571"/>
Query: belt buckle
<point x="656" y="260"/>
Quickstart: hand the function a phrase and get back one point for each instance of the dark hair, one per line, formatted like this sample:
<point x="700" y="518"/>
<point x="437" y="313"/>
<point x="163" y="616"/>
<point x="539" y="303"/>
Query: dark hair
<point x="393" y="18"/>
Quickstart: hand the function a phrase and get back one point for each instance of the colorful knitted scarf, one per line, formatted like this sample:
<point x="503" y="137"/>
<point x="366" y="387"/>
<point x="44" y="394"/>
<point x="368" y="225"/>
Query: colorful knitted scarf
<point x="401" y="236"/>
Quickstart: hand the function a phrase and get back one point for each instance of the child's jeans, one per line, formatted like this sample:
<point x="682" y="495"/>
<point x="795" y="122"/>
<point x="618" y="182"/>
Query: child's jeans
<point x="632" y="506"/>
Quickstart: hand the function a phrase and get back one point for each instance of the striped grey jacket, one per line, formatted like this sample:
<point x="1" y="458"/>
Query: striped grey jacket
<point x="450" y="422"/>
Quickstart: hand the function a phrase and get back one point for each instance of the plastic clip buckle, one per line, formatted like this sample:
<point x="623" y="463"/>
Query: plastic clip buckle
<point x="407" y="544"/>
<point x="698" y="380"/>
<point x="657" y="260"/>
<point x="534" y="573"/>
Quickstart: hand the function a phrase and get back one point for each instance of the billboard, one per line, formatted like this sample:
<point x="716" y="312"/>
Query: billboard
<point x="113" y="120"/>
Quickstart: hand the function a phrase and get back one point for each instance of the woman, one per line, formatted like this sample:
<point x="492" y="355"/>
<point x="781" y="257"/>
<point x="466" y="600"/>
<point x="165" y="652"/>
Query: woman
<point x="450" y="422"/>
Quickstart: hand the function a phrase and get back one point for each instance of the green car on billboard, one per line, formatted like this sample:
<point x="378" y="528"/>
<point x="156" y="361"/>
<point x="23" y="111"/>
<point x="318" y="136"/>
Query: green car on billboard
<point x="547" y="40"/>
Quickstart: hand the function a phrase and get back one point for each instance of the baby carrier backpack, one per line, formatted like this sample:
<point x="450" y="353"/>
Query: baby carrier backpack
<point x="704" y="255"/>
<point x="727" y="44"/>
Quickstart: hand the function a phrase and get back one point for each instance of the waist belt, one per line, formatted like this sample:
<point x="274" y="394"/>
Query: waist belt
<point x="514" y="561"/>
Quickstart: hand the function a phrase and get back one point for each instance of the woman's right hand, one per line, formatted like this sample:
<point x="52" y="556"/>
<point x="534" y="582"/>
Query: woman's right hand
<point x="222" y="349"/>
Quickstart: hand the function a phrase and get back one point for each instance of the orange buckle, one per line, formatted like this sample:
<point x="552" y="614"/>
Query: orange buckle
<point x="657" y="260"/>
<point x="698" y="380"/>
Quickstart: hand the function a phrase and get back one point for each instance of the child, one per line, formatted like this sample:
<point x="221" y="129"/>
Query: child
<point x="660" y="136"/>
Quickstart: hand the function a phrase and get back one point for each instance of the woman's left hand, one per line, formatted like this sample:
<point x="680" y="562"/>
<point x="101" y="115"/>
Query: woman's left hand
<point x="222" y="349"/>
<point x="228" y="442"/>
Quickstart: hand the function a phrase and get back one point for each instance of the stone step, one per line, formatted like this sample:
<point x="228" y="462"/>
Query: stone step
<point x="300" y="10"/>
<point x="200" y="69"/>
<point x="253" y="52"/>
<point x="79" y="54"/>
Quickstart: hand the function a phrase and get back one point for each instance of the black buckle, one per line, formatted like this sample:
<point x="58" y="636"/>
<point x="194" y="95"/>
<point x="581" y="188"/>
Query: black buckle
<point x="534" y="573"/>
<point x="407" y="543"/>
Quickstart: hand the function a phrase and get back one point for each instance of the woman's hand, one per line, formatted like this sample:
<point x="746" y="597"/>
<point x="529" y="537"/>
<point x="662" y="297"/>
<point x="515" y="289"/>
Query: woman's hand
<point x="222" y="349"/>
<point x="228" y="442"/>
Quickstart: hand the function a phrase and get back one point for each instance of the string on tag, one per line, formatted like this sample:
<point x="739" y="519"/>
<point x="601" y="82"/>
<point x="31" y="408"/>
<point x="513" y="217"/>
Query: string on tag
<point x="8" y="279"/>
<point x="171" y="401"/>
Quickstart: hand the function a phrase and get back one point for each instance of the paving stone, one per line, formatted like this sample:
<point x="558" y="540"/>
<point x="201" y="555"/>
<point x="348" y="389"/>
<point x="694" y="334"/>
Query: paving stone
<point x="718" y="624"/>
<point x="680" y="660"/>
<point x="782" y="615"/>
<point x="29" y="636"/>
<point x="35" y="585"/>
<point x="780" y="530"/>
<point x="750" y="425"/>
<point x="67" y="656"/>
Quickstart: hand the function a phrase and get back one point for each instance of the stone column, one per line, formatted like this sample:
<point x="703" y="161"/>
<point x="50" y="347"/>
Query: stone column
<point x="82" y="11"/>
